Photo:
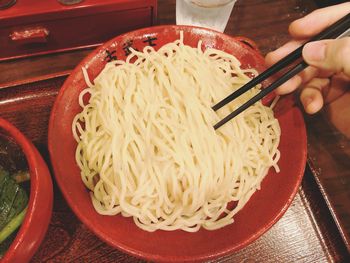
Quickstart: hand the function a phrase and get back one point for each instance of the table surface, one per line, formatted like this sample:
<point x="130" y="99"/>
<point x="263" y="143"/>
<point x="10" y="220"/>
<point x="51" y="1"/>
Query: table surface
<point x="315" y="228"/>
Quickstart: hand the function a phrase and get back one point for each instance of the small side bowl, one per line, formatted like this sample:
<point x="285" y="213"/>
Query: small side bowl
<point x="38" y="216"/>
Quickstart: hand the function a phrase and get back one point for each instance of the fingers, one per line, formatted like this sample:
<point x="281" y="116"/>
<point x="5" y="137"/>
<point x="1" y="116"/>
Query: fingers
<point x="289" y="86"/>
<point x="275" y="56"/>
<point x="295" y="82"/>
<point x="329" y="55"/>
<point x="324" y="57"/>
<point x="312" y="95"/>
<point x="339" y="86"/>
<point x="320" y="91"/>
<point x="318" y="20"/>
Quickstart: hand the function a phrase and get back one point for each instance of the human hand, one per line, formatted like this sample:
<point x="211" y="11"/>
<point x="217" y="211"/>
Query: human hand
<point x="328" y="77"/>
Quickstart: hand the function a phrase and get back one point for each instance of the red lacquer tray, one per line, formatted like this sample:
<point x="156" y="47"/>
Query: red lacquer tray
<point x="305" y="231"/>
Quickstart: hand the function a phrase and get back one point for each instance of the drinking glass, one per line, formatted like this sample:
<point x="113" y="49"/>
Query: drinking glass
<point x="213" y="14"/>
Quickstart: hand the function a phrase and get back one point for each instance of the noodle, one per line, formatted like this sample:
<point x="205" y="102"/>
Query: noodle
<point x="147" y="148"/>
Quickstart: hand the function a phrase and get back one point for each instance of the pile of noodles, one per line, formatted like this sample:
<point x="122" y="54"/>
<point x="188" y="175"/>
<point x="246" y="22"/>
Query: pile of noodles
<point x="147" y="148"/>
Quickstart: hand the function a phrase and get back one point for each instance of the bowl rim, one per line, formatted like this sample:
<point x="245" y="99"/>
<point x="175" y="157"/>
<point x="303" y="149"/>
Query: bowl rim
<point x="39" y="178"/>
<point x="146" y="255"/>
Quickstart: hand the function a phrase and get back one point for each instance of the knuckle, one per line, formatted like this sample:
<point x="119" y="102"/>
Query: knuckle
<point x="338" y="55"/>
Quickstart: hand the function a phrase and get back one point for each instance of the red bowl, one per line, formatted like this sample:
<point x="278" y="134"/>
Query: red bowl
<point x="38" y="216"/>
<point x="262" y="211"/>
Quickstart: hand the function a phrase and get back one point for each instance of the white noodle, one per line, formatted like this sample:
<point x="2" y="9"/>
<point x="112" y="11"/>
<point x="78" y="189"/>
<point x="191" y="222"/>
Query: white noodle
<point x="146" y="144"/>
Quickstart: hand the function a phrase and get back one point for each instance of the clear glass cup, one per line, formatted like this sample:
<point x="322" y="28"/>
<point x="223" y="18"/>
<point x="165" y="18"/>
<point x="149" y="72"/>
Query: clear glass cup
<point x="212" y="14"/>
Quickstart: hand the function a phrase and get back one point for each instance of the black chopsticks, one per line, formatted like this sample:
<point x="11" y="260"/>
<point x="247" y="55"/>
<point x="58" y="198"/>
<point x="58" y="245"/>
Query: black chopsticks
<point x="339" y="29"/>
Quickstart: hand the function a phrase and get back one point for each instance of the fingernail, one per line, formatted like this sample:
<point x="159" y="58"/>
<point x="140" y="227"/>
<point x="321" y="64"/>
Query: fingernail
<point x="314" y="51"/>
<point x="307" y="102"/>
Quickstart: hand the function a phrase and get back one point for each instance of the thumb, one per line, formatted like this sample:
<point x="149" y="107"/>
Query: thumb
<point x="329" y="55"/>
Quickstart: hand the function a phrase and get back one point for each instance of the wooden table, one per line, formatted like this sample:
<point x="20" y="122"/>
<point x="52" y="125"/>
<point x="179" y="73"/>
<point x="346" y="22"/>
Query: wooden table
<point x="314" y="229"/>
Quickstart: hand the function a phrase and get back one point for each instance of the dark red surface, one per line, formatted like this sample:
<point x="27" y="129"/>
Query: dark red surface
<point x="32" y="11"/>
<point x="39" y="211"/>
<point x="305" y="232"/>
<point x="86" y="24"/>
<point x="262" y="211"/>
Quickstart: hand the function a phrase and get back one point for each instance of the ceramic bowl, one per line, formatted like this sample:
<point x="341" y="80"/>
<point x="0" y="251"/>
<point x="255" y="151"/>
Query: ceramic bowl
<point x="38" y="215"/>
<point x="261" y="212"/>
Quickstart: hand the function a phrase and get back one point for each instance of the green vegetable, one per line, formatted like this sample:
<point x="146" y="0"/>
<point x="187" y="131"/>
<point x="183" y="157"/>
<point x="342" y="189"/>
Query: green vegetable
<point x="13" y="203"/>
<point x="6" y="244"/>
<point x="12" y="225"/>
